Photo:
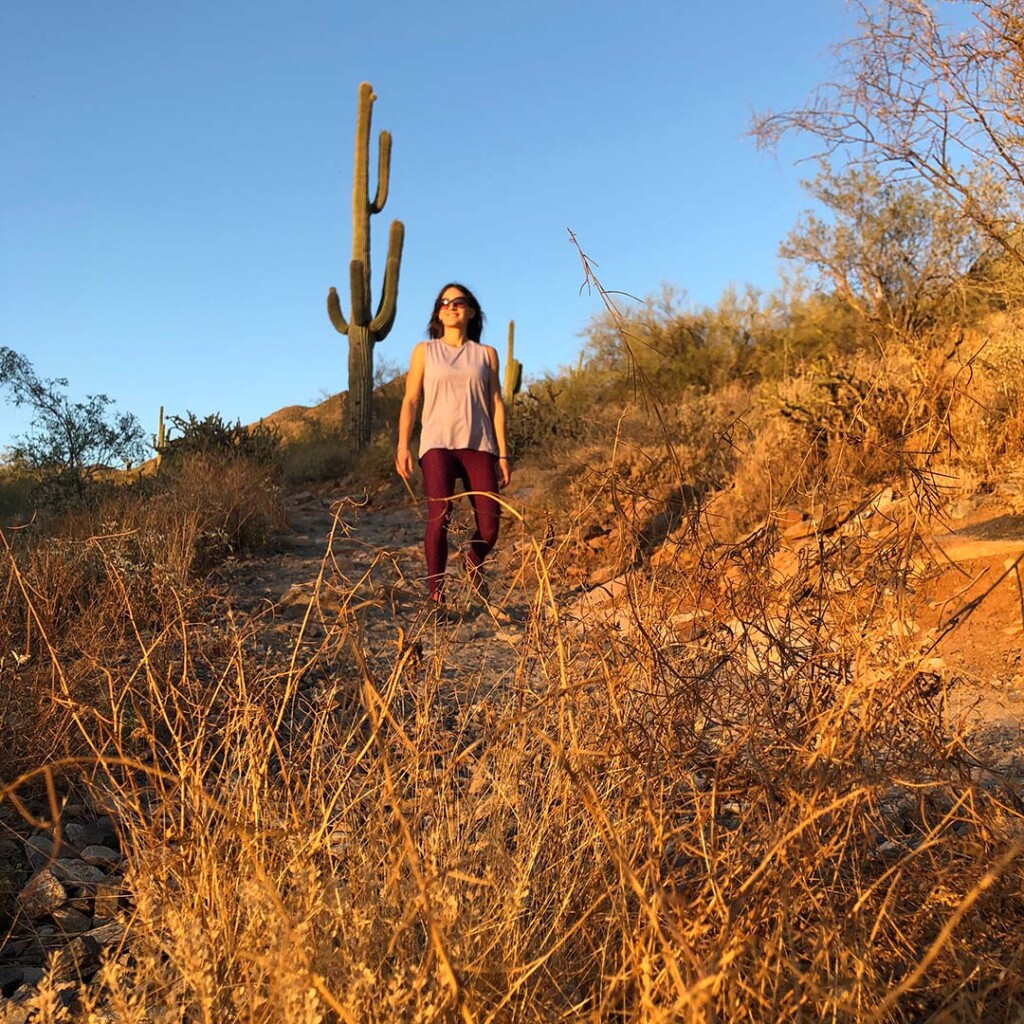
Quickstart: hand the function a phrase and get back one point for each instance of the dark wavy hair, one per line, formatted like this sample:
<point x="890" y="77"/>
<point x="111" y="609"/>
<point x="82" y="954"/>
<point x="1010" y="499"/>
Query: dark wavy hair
<point x="475" y="326"/>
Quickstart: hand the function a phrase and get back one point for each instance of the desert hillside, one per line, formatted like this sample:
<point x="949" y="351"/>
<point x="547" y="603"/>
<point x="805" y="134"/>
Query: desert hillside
<point x="735" y="733"/>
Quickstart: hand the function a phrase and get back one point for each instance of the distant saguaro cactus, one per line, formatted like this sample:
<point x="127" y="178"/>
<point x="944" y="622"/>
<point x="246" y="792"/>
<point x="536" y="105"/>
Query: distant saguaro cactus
<point x="513" y="368"/>
<point x="363" y="330"/>
<point x="159" y="438"/>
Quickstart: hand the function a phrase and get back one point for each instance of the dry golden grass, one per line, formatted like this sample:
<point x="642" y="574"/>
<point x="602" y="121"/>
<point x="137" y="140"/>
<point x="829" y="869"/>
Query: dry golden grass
<point x="744" y="797"/>
<point x="764" y="812"/>
<point x="77" y="588"/>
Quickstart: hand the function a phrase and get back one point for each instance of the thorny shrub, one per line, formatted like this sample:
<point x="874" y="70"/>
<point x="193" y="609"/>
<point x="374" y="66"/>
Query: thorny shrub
<point x="211" y="437"/>
<point x="552" y="416"/>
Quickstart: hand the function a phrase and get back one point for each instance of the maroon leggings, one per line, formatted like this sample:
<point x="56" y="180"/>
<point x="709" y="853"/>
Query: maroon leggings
<point x="478" y="471"/>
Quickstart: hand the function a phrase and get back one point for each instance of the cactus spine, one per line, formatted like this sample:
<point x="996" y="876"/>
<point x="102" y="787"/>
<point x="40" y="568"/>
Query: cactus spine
<point x="513" y="368"/>
<point x="362" y="329"/>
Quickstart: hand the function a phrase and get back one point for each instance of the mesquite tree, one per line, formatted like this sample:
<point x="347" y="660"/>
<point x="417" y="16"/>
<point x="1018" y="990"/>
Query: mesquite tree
<point x="364" y="330"/>
<point x="896" y="252"/>
<point x="68" y="442"/>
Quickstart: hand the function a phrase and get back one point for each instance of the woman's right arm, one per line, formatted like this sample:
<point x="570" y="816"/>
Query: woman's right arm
<point x="404" y="462"/>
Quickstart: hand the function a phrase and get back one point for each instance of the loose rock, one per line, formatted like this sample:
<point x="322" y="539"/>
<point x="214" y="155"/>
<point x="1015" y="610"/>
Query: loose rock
<point x="42" y="895"/>
<point x="76" y="834"/>
<point x="76" y="872"/>
<point x="108" y="899"/>
<point x="71" y="921"/>
<point x="39" y="850"/>
<point x="101" y="856"/>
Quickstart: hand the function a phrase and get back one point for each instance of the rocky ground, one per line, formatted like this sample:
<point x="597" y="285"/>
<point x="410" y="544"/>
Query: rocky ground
<point x="346" y="556"/>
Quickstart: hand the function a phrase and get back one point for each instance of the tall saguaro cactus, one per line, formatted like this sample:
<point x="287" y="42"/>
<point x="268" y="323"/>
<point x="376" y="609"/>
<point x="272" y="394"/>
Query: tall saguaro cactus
<point x="364" y="330"/>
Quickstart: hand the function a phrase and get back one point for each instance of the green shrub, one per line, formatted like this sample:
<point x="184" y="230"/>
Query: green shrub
<point x="212" y="436"/>
<point x="551" y="414"/>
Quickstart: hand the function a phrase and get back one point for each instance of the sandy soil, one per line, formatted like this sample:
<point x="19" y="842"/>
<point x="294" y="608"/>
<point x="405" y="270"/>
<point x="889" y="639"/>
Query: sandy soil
<point x="975" y="606"/>
<point x="345" y="557"/>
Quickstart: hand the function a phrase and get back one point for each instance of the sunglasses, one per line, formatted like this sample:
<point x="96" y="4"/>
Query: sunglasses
<point x="457" y="303"/>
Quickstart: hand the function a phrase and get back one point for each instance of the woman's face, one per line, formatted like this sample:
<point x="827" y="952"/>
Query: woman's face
<point x="455" y="309"/>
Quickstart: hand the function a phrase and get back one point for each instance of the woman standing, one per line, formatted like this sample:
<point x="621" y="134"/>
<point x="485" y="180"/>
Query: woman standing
<point x="462" y="434"/>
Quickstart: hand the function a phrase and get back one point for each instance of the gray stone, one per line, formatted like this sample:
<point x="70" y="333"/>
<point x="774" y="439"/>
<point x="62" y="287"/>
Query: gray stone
<point x="65" y="992"/>
<point x="39" y="849"/>
<point x="10" y="978"/>
<point x="888" y="849"/>
<point x="103" y="830"/>
<point x="65" y="964"/>
<point x="101" y="856"/>
<point x="42" y="895"/>
<point x="81" y="956"/>
<point x="100" y="835"/>
<point x="107" y="935"/>
<point x="77" y="835"/>
<point x="72" y="922"/>
<point x="76" y="872"/>
<point x="21" y="950"/>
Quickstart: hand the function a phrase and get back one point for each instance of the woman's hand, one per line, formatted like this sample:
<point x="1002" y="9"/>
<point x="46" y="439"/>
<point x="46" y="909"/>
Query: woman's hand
<point x="504" y="472"/>
<point x="404" y="464"/>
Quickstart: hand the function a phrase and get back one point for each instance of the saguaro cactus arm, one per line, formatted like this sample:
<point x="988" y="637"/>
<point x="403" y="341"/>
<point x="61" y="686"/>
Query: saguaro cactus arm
<point x="335" y="313"/>
<point x="382" y="323"/>
<point x="383" y="172"/>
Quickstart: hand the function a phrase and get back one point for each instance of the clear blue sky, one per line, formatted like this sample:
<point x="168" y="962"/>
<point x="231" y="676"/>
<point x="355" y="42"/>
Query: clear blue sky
<point x="175" y="180"/>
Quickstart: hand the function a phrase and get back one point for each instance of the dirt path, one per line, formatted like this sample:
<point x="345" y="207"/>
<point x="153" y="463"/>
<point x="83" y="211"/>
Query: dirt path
<point x="344" y="558"/>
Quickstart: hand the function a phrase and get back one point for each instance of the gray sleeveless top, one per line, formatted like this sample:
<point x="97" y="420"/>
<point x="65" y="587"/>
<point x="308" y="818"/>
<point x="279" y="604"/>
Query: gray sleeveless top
<point x="456" y="398"/>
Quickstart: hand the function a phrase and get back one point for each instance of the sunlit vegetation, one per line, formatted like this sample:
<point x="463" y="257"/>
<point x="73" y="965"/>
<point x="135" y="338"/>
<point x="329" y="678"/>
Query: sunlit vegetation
<point x="739" y="792"/>
<point x="742" y="799"/>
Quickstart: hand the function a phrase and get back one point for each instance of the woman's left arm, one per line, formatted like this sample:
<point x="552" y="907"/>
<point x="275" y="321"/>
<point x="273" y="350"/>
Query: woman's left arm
<point x="498" y="419"/>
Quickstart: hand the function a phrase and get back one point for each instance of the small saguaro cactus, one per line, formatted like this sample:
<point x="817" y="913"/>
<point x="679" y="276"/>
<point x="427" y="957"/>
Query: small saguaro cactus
<point x="159" y="438"/>
<point x="513" y="368"/>
<point x="364" y="330"/>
